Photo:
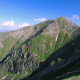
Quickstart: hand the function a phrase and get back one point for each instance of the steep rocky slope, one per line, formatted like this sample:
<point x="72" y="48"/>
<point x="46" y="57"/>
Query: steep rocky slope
<point x="40" y="50"/>
<point x="11" y="38"/>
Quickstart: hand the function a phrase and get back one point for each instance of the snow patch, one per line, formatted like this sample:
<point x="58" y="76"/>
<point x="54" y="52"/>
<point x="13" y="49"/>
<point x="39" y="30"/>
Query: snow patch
<point x="1" y="45"/>
<point x="56" y="38"/>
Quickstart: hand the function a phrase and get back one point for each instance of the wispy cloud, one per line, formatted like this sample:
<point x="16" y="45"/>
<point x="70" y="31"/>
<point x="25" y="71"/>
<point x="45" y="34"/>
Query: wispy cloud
<point x="24" y="24"/>
<point x="75" y="17"/>
<point x="41" y="19"/>
<point x="10" y="25"/>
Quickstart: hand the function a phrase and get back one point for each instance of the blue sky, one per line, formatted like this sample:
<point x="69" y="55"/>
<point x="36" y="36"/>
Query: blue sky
<point x="15" y="14"/>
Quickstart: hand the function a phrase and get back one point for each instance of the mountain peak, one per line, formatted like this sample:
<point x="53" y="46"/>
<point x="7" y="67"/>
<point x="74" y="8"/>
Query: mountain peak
<point x="64" y="22"/>
<point x="64" y="18"/>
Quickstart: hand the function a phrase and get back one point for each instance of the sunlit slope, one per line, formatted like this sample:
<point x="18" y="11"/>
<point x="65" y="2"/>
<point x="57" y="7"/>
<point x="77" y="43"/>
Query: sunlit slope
<point x="9" y="39"/>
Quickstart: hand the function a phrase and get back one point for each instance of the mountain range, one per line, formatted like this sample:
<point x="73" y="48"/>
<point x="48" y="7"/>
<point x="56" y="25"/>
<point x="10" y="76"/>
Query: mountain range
<point x="49" y="50"/>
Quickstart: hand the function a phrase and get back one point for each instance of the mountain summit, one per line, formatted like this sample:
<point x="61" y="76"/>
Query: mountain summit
<point x="45" y="51"/>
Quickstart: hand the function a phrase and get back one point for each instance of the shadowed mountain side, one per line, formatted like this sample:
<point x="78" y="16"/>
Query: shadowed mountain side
<point x="69" y="54"/>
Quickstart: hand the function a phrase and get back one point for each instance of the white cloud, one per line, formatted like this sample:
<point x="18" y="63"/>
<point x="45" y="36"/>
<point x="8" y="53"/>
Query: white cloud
<point x="24" y="24"/>
<point x="41" y="19"/>
<point x="10" y="25"/>
<point x="75" y="17"/>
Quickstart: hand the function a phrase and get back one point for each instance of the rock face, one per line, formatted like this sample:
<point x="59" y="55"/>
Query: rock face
<point x="43" y="50"/>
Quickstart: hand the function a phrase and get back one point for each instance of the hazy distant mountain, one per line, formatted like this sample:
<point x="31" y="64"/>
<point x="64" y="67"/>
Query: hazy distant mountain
<point x="47" y="51"/>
